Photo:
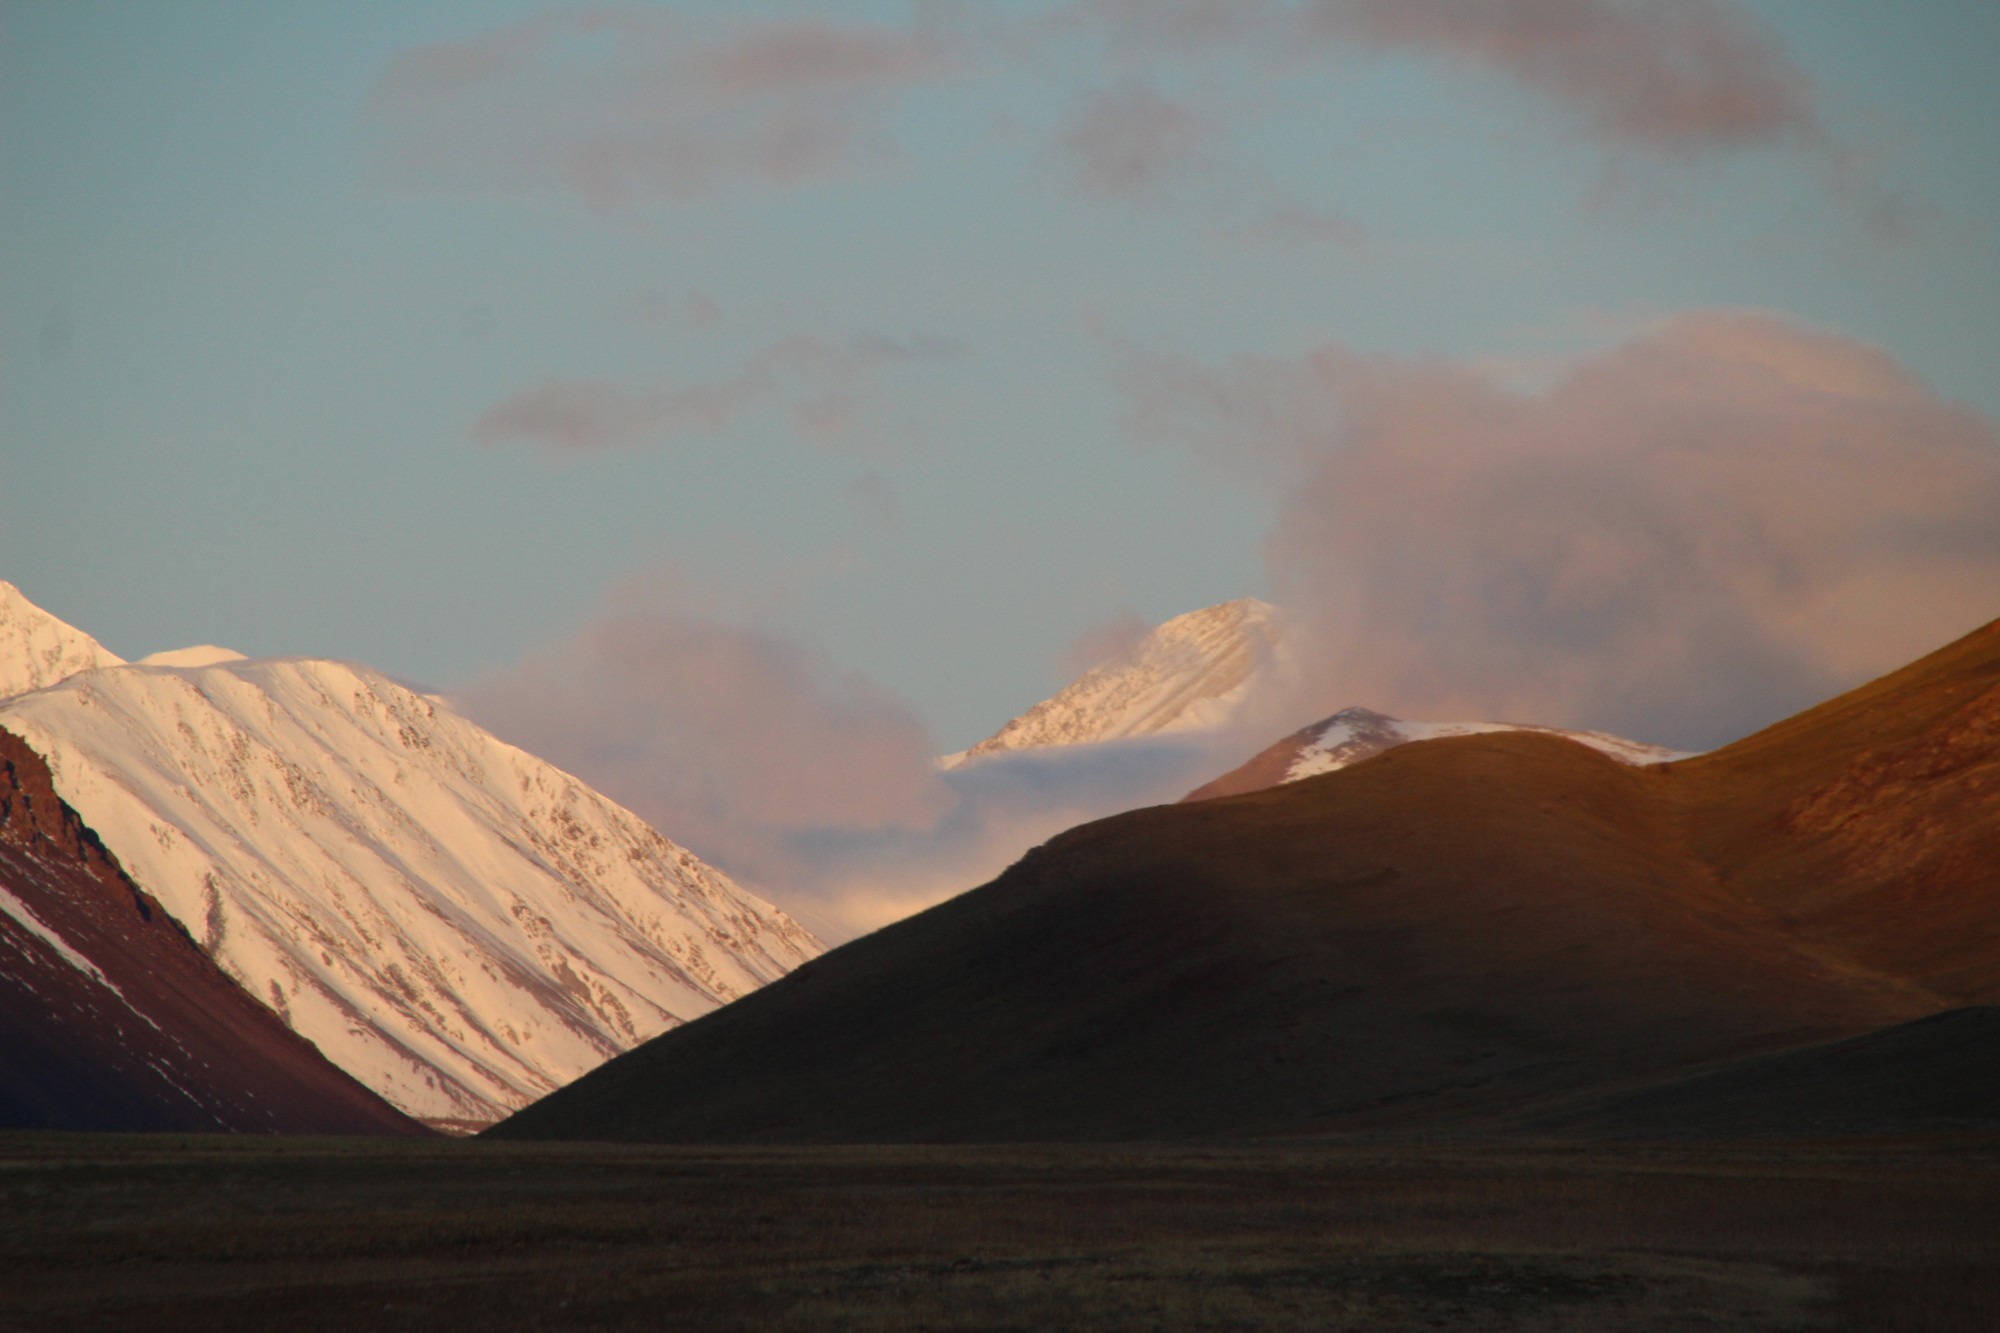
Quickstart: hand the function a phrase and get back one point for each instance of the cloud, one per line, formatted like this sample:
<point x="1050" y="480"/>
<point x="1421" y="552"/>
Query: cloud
<point x="1115" y="641"/>
<point x="1686" y="536"/>
<point x="1648" y="82"/>
<point x="1669" y="76"/>
<point x="1130" y="140"/>
<point x="833" y="391"/>
<point x="721" y="734"/>
<point x="1672" y="76"/>
<point x="1293" y="226"/>
<point x="813" y="786"/>
<point x="625" y="107"/>
<point x="1154" y="28"/>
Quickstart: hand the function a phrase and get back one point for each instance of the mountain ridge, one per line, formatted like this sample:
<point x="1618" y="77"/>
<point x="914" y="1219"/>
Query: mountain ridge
<point x="1444" y="934"/>
<point x="1188" y="673"/>
<point x="1355" y="734"/>
<point x="456" y="923"/>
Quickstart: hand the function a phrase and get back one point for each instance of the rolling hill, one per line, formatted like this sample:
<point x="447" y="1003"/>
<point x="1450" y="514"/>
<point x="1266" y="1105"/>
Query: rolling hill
<point x="1446" y="933"/>
<point x="1354" y="734"/>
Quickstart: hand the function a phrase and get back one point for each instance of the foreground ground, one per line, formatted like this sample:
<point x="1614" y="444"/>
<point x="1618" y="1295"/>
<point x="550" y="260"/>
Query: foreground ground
<point x="183" y="1232"/>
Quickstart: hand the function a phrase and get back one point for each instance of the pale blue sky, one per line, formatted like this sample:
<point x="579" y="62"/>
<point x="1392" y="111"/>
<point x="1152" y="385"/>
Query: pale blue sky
<point x="242" y="356"/>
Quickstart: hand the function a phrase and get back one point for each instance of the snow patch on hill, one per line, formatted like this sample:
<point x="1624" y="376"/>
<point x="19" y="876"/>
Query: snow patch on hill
<point x="203" y="654"/>
<point x="1354" y="734"/>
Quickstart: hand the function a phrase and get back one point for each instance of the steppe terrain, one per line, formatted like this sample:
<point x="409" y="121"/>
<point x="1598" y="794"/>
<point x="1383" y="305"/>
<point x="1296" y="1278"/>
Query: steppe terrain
<point x="163" y="1232"/>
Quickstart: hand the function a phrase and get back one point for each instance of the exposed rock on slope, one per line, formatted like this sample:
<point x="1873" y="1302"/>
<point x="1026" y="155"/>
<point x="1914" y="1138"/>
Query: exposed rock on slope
<point x="112" y="1019"/>
<point x="457" y="924"/>
<point x="1354" y="734"/>
<point x="1872" y="822"/>
<point x="1189" y="673"/>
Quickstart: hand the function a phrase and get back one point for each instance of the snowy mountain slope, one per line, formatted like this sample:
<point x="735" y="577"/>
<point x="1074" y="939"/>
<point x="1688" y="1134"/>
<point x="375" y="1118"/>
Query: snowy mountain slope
<point x="455" y="923"/>
<point x="1354" y="734"/>
<point x="112" y="1019"/>
<point x="36" y="649"/>
<point x="1189" y="673"/>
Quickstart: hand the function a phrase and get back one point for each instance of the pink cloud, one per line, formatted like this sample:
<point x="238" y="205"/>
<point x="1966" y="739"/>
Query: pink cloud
<point x="709" y="724"/>
<point x="1687" y="535"/>
<point x="1130" y="140"/>
<point x="1114" y="641"/>
<point x="630" y="106"/>
<point x="1176" y="27"/>
<point x="813" y="785"/>
<point x="833" y="391"/>
<point x="1667" y="75"/>
<point x="587" y="415"/>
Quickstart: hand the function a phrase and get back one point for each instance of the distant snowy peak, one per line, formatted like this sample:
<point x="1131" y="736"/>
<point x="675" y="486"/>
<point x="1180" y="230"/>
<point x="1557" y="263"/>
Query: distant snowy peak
<point x="455" y="923"/>
<point x="1189" y="673"/>
<point x="37" y="650"/>
<point x="1355" y="734"/>
<point x="201" y="655"/>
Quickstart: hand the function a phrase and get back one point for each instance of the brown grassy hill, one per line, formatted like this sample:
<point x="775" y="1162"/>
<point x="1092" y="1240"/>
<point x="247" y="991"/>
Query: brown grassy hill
<point x="1454" y="931"/>
<point x="112" y="1018"/>
<point x="1450" y="926"/>
<point x="1872" y="822"/>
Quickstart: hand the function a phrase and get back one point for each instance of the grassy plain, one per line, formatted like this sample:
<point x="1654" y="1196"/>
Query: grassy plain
<point x="168" y="1232"/>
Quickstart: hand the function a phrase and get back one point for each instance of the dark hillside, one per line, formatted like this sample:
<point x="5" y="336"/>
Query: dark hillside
<point x="1450" y="926"/>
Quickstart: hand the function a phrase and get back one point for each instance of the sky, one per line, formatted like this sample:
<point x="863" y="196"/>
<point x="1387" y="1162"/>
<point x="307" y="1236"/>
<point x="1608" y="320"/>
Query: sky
<point x="740" y="403"/>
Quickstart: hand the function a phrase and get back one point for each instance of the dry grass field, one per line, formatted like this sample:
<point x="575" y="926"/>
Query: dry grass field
<point x="164" y="1232"/>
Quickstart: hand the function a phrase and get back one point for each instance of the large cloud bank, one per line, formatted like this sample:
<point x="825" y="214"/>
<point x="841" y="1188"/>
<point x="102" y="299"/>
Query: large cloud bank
<point x="1684" y="537"/>
<point x="1679" y="538"/>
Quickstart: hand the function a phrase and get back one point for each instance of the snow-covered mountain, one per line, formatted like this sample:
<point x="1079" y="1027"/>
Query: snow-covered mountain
<point x="36" y="649"/>
<point x="1354" y="734"/>
<point x="455" y="923"/>
<point x="1188" y="674"/>
<point x="111" y="1018"/>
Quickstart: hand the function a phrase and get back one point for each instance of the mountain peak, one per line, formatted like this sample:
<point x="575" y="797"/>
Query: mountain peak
<point x="1355" y="734"/>
<point x="200" y="655"/>
<point x="1188" y="673"/>
<point x="37" y="649"/>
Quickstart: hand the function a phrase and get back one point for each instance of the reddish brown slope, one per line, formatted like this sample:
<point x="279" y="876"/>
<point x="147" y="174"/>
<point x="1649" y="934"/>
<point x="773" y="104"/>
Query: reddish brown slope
<point x="1450" y="927"/>
<point x="111" y="1018"/>
<point x="1872" y="822"/>
<point x="1267" y="768"/>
